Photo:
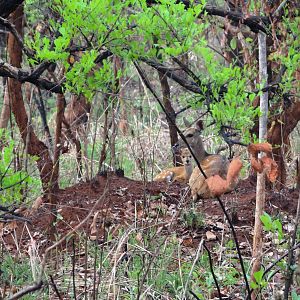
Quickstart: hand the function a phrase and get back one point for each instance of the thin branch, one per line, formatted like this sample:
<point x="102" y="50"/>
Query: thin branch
<point x="12" y="29"/>
<point x="253" y="22"/>
<point x="193" y="294"/>
<point x="185" y="68"/>
<point x="212" y="271"/>
<point x="291" y="259"/>
<point x="55" y="288"/>
<point x="14" y="184"/>
<point x="27" y="290"/>
<point x="279" y="8"/>
<point x="182" y="110"/>
<point x="148" y="85"/>
<point x="73" y="269"/>
<point x="189" y="85"/>
<point x="8" y="218"/>
<point x="268" y="269"/>
<point x="193" y="265"/>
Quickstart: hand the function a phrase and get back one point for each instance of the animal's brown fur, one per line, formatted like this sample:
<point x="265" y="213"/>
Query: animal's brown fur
<point x="182" y="173"/>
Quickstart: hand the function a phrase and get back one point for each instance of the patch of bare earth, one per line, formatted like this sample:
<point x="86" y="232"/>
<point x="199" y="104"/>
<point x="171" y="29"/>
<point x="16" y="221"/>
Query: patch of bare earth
<point x="129" y="201"/>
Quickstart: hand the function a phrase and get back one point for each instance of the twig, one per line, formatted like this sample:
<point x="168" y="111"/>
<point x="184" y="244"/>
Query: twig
<point x="27" y="290"/>
<point x="17" y="36"/>
<point x="182" y="110"/>
<point x="193" y="266"/>
<point x="55" y="288"/>
<point x="148" y="85"/>
<point x="291" y="259"/>
<point x="279" y="259"/>
<point x="73" y="269"/>
<point x="196" y="297"/>
<point x="212" y="271"/>
<point x="279" y="8"/>
<point x="275" y="263"/>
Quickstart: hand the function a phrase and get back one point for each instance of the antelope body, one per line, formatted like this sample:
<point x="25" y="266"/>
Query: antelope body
<point x="212" y="164"/>
<point x="180" y="174"/>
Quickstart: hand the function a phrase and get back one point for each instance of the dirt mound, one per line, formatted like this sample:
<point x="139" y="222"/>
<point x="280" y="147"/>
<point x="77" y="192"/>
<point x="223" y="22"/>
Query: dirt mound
<point x="127" y="200"/>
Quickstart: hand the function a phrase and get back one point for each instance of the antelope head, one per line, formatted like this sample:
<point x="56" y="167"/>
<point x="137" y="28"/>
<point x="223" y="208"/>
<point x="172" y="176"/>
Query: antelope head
<point x="192" y="135"/>
<point x="186" y="156"/>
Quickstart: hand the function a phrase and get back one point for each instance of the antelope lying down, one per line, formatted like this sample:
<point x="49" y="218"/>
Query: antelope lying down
<point x="212" y="164"/>
<point x="182" y="173"/>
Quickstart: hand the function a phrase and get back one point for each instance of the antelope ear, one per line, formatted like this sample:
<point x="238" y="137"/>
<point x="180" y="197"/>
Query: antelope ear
<point x="199" y="124"/>
<point x="186" y="122"/>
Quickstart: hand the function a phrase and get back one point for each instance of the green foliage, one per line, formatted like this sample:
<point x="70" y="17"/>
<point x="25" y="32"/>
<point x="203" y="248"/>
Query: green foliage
<point x="295" y="296"/>
<point x="234" y="107"/>
<point x="260" y="282"/>
<point x="15" y="272"/>
<point x="130" y="29"/>
<point x="274" y="226"/>
<point x="12" y="181"/>
<point x="192" y="219"/>
<point x="289" y="54"/>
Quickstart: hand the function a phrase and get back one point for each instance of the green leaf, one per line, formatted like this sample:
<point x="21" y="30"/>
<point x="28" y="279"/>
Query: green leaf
<point x="295" y="296"/>
<point x="267" y="221"/>
<point x="258" y="275"/>
<point x="233" y="43"/>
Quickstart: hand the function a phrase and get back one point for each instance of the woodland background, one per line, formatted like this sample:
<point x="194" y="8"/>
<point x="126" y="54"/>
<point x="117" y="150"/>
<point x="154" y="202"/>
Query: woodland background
<point x="91" y="91"/>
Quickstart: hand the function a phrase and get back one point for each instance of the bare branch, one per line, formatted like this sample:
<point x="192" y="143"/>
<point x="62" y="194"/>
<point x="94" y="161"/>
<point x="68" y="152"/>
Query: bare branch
<point x="11" y="28"/>
<point x="253" y="22"/>
<point x="21" y="75"/>
<point x="8" y="6"/>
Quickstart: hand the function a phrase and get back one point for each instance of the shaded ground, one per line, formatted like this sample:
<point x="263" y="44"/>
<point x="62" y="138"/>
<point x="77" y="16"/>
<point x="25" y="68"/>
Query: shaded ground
<point x="128" y="201"/>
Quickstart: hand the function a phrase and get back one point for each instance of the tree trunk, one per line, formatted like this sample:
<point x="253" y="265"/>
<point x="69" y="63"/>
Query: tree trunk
<point x="279" y="133"/>
<point x="105" y="133"/>
<point x="260" y="188"/>
<point x="168" y="106"/>
<point x="60" y="106"/>
<point x="41" y="107"/>
<point x="112" y="140"/>
<point x="35" y="146"/>
<point x="75" y="118"/>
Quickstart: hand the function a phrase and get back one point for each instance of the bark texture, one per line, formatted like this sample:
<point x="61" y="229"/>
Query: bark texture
<point x="278" y="135"/>
<point x="168" y="106"/>
<point x="260" y="188"/>
<point x="35" y="146"/>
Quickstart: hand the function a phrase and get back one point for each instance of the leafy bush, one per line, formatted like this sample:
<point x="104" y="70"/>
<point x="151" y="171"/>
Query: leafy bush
<point x="12" y="180"/>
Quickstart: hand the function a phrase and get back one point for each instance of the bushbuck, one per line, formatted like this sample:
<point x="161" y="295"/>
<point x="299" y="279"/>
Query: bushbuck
<point x="180" y="174"/>
<point x="212" y="164"/>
